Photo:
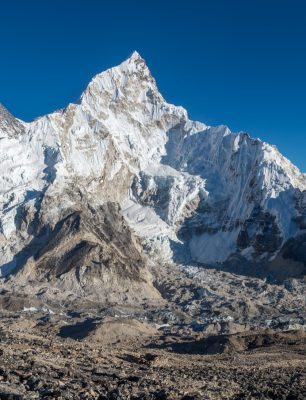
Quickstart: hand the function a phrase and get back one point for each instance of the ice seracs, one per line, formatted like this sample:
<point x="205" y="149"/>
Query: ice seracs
<point x="189" y="191"/>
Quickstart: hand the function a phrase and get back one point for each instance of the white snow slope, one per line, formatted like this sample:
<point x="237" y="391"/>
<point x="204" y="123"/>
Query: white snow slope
<point x="190" y="191"/>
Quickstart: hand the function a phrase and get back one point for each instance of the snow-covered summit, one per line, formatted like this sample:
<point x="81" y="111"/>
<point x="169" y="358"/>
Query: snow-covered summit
<point x="188" y="190"/>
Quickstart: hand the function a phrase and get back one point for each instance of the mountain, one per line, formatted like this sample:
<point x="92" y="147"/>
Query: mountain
<point x="93" y="194"/>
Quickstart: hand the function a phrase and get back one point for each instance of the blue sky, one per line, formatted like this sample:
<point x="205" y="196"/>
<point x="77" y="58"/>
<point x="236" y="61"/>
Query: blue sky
<point x="241" y="63"/>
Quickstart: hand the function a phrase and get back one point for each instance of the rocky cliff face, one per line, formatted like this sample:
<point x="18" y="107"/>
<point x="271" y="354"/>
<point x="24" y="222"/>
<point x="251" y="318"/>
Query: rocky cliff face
<point x="82" y="187"/>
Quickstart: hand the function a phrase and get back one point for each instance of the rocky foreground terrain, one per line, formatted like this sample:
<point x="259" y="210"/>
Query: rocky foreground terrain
<point x="212" y="335"/>
<point x="42" y="366"/>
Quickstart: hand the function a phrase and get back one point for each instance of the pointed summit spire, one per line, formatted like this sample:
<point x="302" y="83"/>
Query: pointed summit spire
<point x="131" y="80"/>
<point x="135" y="55"/>
<point x="135" y="58"/>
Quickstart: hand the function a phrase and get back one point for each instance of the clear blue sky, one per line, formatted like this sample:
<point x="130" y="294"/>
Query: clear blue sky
<point x="238" y="63"/>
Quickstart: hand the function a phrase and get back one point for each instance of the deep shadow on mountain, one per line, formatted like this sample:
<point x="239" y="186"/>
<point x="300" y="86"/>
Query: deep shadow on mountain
<point x="290" y="263"/>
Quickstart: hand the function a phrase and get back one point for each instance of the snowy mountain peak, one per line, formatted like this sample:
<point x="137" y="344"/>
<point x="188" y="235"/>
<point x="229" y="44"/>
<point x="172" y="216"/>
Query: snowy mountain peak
<point x="135" y="56"/>
<point x="135" y="66"/>
<point x="9" y="125"/>
<point x="130" y="81"/>
<point x="189" y="191"/>
<point x="133" y="61"/>
<point x="4" y="113"/>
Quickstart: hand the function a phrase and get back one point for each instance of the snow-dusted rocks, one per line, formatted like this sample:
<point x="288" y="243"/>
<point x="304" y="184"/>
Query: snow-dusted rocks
<point x="187" y="190"/>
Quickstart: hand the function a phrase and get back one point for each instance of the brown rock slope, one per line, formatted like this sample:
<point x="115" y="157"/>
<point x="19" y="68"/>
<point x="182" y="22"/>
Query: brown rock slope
<point x="88" y="252"/>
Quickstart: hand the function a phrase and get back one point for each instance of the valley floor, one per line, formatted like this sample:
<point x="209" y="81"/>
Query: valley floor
<point x="213" y="335"/>
<point x="44" y="366"/>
